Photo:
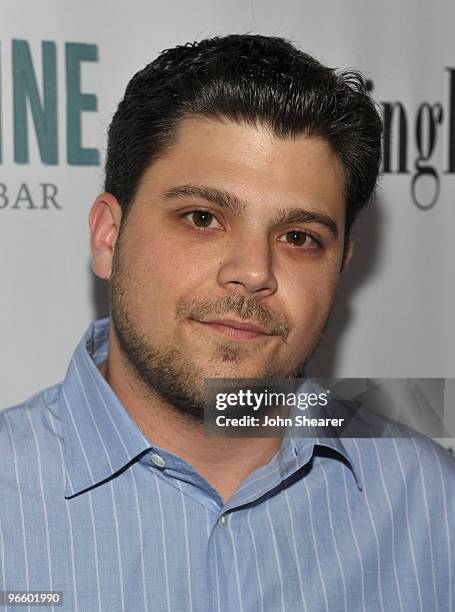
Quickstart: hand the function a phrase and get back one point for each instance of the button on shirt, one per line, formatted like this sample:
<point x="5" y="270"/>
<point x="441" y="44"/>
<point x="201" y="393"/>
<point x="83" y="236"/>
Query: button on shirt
<point x="90" y="507"/>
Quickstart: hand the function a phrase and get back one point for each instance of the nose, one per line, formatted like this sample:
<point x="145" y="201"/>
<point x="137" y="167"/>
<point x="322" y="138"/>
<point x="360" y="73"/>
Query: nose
<point x="248" y="266"/>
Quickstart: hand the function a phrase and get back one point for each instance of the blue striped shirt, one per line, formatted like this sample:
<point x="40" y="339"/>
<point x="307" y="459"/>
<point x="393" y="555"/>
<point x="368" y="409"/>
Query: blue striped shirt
<point x="91" y="507"/>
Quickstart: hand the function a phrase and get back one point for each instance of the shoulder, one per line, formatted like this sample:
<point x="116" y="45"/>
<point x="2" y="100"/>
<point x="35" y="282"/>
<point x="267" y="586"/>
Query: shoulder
<point x="25" y="425"/>
<point x="424" y="458"/>
<point x="31" y="465"/>
<point x="413" y="465"/>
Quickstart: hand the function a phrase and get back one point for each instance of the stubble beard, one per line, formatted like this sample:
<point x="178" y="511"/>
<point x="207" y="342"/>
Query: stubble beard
<point x="165" y="372"/>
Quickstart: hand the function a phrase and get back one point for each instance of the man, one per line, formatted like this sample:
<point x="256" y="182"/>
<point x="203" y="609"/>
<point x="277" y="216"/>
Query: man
<point x="235" y="169"/>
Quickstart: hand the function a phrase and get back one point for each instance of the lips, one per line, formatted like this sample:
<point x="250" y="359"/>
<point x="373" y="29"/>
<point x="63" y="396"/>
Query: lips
<point x="236" y="329"/>
<point x="239" y="325"/>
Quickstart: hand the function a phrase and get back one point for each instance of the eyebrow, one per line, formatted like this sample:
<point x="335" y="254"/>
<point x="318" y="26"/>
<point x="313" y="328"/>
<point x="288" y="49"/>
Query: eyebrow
<point x="300" y="215"/>
<point x="224" y="199"/>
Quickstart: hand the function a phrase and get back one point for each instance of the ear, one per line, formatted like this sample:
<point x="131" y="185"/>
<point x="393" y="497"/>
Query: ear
<point x="347" y="254"/>
<point x="104" y="220"/>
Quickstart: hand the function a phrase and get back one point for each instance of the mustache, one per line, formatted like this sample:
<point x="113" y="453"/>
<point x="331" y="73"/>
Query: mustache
<point x="247" y="308"/>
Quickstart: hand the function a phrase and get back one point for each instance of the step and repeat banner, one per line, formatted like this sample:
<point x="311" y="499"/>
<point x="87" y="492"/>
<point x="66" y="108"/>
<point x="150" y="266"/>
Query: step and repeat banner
<point x="64" y="67"/>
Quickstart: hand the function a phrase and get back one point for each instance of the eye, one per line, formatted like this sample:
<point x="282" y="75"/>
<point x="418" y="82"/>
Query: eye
<point x="201" y="219"/>
<point x="301" y="239"/>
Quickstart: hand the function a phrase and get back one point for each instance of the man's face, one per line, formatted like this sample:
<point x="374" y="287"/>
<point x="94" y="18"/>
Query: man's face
<point x="228" y="261"/>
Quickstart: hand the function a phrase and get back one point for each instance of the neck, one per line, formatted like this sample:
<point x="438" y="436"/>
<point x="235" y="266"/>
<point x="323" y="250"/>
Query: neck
<point x="223" y="462"/>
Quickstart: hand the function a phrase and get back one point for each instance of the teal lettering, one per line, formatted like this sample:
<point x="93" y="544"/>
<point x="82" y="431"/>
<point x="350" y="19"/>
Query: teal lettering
<point x="77" y="102"/>
<point x="25" y="88"/>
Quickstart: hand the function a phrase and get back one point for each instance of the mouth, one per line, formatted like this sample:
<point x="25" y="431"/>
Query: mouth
<point x="236" y="330"/>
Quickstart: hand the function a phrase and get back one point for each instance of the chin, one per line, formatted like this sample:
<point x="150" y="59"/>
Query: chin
<point x="233" y="369"/>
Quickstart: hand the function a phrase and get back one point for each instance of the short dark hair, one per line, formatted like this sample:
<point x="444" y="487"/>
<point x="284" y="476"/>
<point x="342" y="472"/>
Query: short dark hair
<point x="252" y="79"/>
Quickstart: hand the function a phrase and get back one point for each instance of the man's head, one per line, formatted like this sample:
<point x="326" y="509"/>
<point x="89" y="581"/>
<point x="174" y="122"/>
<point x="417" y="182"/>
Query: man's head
<point x="235" y="169"/>
<point x="253" y="80"/>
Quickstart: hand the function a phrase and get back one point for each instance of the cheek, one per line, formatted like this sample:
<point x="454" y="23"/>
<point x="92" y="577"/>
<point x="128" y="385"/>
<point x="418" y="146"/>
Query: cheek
<point x="308" y="302"/>
<point x="164" y="272"/>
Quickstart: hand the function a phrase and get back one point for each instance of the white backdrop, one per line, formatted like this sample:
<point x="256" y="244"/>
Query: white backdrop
<point x="394" y="308"/>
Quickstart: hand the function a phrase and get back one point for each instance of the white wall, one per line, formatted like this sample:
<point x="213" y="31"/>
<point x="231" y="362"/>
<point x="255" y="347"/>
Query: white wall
<point x="394" y="312"/>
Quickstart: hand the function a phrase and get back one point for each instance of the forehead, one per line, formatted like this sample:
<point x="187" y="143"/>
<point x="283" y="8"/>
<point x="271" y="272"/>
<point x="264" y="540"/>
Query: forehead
<point x="258" y="167"/>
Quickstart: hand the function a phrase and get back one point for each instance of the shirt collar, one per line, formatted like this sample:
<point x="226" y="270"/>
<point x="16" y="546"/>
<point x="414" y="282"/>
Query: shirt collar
<point x="100" y="436"/>
<point x="300" y="446"/>
<point x="331" y="438"/>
